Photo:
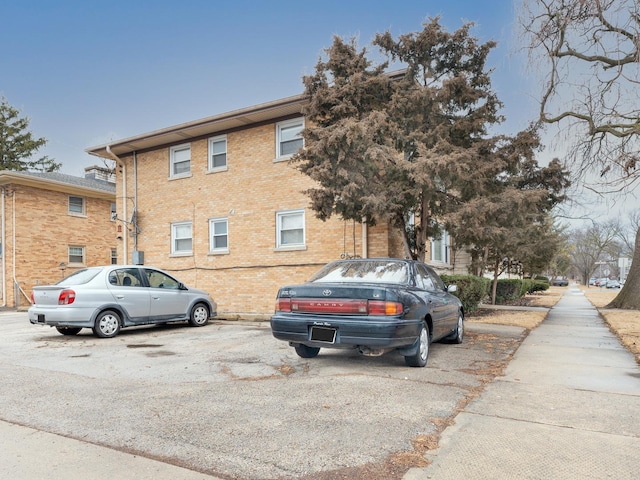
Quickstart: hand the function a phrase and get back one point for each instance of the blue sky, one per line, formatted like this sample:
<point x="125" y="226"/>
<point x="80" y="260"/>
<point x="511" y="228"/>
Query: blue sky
<point x="89" y="72"/>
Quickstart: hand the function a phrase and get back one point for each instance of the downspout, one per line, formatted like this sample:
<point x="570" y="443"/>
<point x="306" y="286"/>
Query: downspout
<point x="135" y="202"/>
<point x="125" y="237"/>
<point x="4" y="252"/>
<point x="365" y="239"/>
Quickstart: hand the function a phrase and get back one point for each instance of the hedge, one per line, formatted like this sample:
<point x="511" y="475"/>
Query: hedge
<point x="471" y="289"/>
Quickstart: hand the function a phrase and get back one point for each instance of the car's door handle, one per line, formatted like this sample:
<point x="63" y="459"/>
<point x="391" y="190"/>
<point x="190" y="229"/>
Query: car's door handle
<point x="119" y="297"/>
<point x="156" y="298"/>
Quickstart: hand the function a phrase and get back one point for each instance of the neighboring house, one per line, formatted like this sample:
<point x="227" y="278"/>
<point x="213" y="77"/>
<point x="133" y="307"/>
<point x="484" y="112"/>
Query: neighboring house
<point x="217" y="202"/>
<point x="52" y="224"/>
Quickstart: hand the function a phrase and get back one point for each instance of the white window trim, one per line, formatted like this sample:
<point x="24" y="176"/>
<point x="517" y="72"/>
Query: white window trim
<point x="445" y="249"/>
<point x="172" y="152"/>
<point x="84" y="257"/>
<point x="293" y="246"/>
<point x="212" y="249"/>
<point x="83" y="213"/>
<point x="179" y="253"/>
<point x="210" y="167"/>
<point x="279" y="127"/>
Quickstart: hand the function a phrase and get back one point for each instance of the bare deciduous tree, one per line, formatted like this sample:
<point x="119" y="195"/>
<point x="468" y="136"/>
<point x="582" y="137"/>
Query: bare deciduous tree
<point x="591" y="53"/>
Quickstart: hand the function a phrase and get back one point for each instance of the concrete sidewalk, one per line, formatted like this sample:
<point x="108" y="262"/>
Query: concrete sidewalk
<point x="568" y="407"/>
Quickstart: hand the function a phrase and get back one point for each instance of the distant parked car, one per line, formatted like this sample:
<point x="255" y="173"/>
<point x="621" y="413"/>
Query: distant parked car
<point x="592" y="281"/>
<point x="559" y="282"/>
<point x="109" y="298"/>
<point x="612" y="284"/>
<point x="372" y="305"/>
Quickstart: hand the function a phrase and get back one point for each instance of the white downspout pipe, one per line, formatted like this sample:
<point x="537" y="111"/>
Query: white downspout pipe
<point x="125" y="231"/>
<point x="365" y="239"/>
<point x="4" y="255"/>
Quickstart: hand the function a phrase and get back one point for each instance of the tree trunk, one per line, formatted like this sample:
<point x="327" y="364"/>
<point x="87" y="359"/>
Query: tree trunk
<point x="494" y="287"/>
<point x="629" y="296"/>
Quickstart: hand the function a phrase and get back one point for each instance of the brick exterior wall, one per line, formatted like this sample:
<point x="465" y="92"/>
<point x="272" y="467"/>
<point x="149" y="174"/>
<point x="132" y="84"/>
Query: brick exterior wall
<point x="43" y="232"/>
<point x="244" y="281"/>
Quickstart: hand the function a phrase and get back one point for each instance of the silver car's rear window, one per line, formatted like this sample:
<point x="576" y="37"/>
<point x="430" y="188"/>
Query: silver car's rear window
<point x="80" y="277"/>
<point x="368" y="271"/>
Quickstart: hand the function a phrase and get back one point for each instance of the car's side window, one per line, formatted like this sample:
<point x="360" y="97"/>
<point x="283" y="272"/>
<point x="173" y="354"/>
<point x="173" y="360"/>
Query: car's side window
<point x="126" y="277"/>
<point x="160" y="280"/>
<point x="437" y="281"/>
<point x="423" y="279"/>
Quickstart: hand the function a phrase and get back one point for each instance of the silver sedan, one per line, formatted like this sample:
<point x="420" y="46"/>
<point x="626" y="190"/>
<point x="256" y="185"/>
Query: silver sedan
<point x="109" y="298"/>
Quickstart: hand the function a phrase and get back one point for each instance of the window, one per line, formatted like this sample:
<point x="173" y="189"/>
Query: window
<point x="218" y="153"/>
<point x="289" y="139"/>
<point x="181" y="240"/>
<point x="290" y="226"/>
<point x="114" y="256"/>
<point x="219" y="235"/>
<point x="180" y="160"/>
<point x="440" y="248"/>
<point x="76" y="255"/>
<point x="423" y="278"/>
<point x="76" y="205"/>
<point x="161" y="280"/>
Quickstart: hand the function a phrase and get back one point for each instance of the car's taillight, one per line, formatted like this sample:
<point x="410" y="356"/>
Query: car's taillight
<point x="33" y="298"/>
<point x="66" y="297"/>
<point x="283" y="305"/>
<point x="379" y="307"/>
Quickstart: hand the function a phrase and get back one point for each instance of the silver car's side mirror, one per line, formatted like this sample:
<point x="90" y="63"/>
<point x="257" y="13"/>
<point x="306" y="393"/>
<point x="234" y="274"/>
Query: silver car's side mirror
<point x="452" y="288"/>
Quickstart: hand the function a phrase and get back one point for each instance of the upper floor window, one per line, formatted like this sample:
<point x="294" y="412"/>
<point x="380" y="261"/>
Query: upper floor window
<point x="289" y="138"/>
<point x="218" y="153"/>
<point x="114" y="256"/>
<point x="219" y="235"/>
<point x="290" y="229"/>
<point x="180" y="160"/>
<point x="76" y="255"/>
<point x="440" y="248"/>
<point x="76" y="205"/>
<point x="181" y="238"/>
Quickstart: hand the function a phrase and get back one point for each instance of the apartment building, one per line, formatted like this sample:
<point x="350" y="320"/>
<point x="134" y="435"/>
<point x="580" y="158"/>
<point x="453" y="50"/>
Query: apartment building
<point x="52" y="224"/>
<point x="218" y="203"/>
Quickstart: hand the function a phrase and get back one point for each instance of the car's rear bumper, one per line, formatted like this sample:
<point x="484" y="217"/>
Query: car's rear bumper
<point x="61" y="317"/>
<point x="373" y="332"/>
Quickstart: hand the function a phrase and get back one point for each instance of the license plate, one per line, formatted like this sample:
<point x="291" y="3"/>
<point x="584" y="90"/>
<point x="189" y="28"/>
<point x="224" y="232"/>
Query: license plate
<point x="40" y="318"/>
<point x="323" y="334"/>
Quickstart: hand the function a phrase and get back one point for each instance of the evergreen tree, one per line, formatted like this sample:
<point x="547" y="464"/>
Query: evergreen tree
<point x="17" y="144"/>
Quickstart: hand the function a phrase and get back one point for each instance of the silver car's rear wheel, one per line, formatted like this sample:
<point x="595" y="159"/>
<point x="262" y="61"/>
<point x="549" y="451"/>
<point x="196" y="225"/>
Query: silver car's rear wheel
<point x="199" y="315"/>
<point x="107" y="325"/>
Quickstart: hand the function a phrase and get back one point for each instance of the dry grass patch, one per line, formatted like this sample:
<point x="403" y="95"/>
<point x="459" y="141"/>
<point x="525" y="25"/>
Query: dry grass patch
<point x="624" y="323"/>
<point x="517" y="318"/>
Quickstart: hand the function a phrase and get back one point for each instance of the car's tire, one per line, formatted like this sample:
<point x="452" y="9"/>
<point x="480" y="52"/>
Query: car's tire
<point x="199" y="315"/>
<point x="458" y="335"/>
<point x="419" y="359"/>
<point x="107" y="324"/>
<point x="306" y="351"/>
<point x="69" y="330"/>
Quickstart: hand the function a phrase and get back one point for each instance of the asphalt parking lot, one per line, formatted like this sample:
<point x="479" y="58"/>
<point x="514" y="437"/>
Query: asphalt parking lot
<point x="230" y="401"/>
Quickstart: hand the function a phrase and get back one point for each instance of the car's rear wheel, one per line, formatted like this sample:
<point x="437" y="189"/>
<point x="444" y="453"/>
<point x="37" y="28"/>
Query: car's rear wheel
<point x="199" y="315"/>
<point x="107" y="325"/>
<point x="458" y="335"/>
<point x="69" y="330"/>
<point x="306" y="351"/>
<point x="419" y="359"/>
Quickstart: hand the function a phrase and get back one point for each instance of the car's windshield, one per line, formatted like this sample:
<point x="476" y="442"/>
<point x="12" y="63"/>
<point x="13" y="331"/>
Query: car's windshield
<point x="80" y="277"/>
<point x="363" y="271"/>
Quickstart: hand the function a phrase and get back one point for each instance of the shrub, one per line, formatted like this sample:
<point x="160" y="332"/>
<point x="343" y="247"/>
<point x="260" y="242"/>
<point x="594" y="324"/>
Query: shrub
<point x="508" y="290"/>
<point x="471" y="289"/>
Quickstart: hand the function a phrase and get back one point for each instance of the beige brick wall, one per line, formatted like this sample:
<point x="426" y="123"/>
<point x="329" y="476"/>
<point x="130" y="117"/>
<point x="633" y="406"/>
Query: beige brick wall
<point x="249" y="193"/>
<point x="43" y="232"/>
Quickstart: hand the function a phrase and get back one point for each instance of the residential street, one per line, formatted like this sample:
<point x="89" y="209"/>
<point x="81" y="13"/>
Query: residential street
<point x="229" y="401"/>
